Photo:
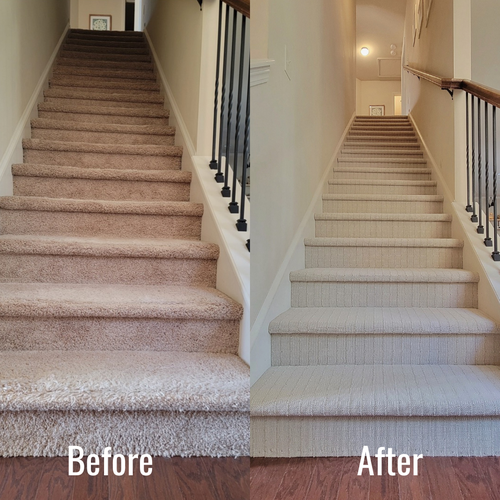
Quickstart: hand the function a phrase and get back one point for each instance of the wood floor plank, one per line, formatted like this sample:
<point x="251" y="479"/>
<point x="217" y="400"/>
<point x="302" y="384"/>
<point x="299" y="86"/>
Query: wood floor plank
<point x="443" y="482"/>
<point x="162" y="483"/>
<point x="414" y="487"/>
<point x="471" y="478"/>
<point x="229" y="476"/>
<point x="192" y="479"/>
<point x="297" y="479"/>
<point x="352" y="485"/>
<point x="491" y="468"/>
<point x="123" y="487"/>
<point x="326" y="478"/>
<point x="385" y="486"/>
<point x="267" y="482"/>
<point x="23" y="478"/>
<point x="256" y="465"/>
<point x="5" y="464"/>
<point x="91" y="487"/>
<point x="55" y="482"/>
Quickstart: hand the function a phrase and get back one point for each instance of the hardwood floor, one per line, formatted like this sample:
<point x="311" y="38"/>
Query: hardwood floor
<point x="440" y="478"/>
<point x="172" y="479"/>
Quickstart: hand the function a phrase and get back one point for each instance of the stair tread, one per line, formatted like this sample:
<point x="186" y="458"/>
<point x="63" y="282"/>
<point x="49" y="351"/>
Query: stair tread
<point x="384" y="275"/>
<point x="105" y="73"/>
<point x="345" y="159"/>
<point x="382" y="170"/>
<point x="88" y="147"/>
<point x="48" y="123"/>
<point x="122" y="380"/>
<point x="107" y="247"/>
<point x="385" y="242"/>
<point x="388" y="182"/>
<point x="103" y="110"/>
<point x="103" y="96"/>
<point x="55" y="171"/>
<point x="383" y="320"/>
<point x="41" y="204"/>
<point x="378" y="390"/>
<point x="116" y="300"/>
<point x="384" y="197"/>
<point x="386" y="217"/>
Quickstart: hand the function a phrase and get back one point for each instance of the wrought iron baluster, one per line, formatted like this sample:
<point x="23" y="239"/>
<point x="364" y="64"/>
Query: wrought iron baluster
<point x="495" y="254"/>
<point x="468" y="208"/>
<point x="242" y="223"/>
<point x="480" y="227"/>
<point x="487" y="240"/>
<point x="473" y="217"/>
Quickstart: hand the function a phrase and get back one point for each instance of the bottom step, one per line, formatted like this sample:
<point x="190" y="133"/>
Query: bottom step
<point x="161" y="403"/>
<point x="435" y="410"/>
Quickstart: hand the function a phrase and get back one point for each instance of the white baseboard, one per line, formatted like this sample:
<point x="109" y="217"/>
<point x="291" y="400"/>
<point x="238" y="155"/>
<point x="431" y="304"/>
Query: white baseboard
<point x="218" y="224"/>
<point x="278" y="298"/>
<point x="14" y="151"/>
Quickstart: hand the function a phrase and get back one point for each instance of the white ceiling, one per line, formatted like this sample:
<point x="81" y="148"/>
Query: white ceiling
<point x="379" y="23"/>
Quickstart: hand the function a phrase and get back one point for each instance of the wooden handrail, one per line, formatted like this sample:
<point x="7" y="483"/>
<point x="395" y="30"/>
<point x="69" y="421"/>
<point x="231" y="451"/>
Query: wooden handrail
<point x="242" y="6"/>
<point x="485" y="93"/>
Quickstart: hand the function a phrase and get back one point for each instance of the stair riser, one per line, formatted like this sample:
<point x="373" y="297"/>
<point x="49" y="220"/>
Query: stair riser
<point x="120" y="43"/>
<point x="380" y="349"/>
<point x="50" y="433"/>
<point x="100" y="189"/>
<point x="346" y="436"/>
<point x="95" y="160"/>
<point x="361" y="145"/>
<point x="102" y="73"/>
<point x="101" y="83"/>
<point x="103" y="37"/>
<point x="101" y="137"/>
<point x="369" y="294"/>
<point x="104" y="57"/>
<point x="382" y="176"/>
<point x="358" y="152"/>
<point x="375" y="189"/>
<point x="381" y="128"/>
<point x="99" y="224"/>
<point x="381" y="163"/>
<point x="377" y="133"/>
<point x="382" y="229"/>
<point x="382" y="207"/>
<point x="89" y="63"/>
<point x="382" y="139"/>
<point x="105" y="104"/>
<point x="103" y="334"/>
<point x="92" y="118"/>
<point x="383" y="257"/>
<point x="109" y="50"/>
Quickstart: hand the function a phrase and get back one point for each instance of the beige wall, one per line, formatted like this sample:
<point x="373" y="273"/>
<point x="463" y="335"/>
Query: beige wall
<point x="297" y="123"/>
<point x="485" y="16"/>
<point x="432" y="108"/>
<point x="114" y="8"/>
<point x="29" y="32"/>
<point x="175" y="30"/>
<point x="259" y="29"/>
<point x="376" y="92"/>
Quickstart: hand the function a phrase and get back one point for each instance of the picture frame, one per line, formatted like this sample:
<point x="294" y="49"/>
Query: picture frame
<point x="100" y="22"/>
<point x="428" y="5"/>
<point x="377" y="110"/>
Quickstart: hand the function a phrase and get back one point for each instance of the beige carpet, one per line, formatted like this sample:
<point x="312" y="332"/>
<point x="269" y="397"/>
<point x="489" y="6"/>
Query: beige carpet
<point x="384" y="344"/>
<point x="112" y="332"/>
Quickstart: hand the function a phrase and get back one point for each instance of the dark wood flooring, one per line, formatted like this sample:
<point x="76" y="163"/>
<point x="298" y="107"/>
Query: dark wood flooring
<point x="440" y="478"/>
<point x="172" y="479"/>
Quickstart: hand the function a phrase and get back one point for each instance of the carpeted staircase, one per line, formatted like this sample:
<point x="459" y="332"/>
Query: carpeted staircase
<point x="112" y="332"/>
<point x="384" y="344"/>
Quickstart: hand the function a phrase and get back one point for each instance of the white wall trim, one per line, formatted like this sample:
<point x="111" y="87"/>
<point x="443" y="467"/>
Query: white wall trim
<point x="260" y="71"/>
<point x="275" y="301"/>
<point x="18" y="135"/>
<point x="233" y="271"/>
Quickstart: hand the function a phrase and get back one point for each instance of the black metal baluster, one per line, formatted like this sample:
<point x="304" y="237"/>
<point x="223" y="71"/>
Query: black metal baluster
<point x="226" y="190"/>
<point x="495" y="254"/>
<point x="219" y="176"/>
<point x="487" y="240"/>
<point x="473" y="217"/>
<point x="213" y="162"/>
<point x="468" y="208"/>
<point x="242" y="223"/>
<point x="233" y="206"/>
<point x="480" y="227"/>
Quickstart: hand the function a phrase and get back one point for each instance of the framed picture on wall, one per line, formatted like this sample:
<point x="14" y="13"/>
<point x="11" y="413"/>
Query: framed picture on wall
<point x="100" y="22"/>
<point x="377" y="110"/>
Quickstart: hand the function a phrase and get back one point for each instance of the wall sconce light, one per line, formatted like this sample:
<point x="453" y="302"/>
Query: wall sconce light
<point x="365" y="51"/>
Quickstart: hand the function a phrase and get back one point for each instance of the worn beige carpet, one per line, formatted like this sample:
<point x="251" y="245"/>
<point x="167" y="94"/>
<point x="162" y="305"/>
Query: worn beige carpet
<point x="384" y="344"/>
<point x="112" y="332"/>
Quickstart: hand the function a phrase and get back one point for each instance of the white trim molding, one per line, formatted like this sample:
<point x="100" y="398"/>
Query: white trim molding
<point x="260" y="70"/>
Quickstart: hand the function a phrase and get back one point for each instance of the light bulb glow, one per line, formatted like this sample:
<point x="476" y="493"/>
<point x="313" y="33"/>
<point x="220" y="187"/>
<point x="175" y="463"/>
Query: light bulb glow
<point x="365" y="51"/>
